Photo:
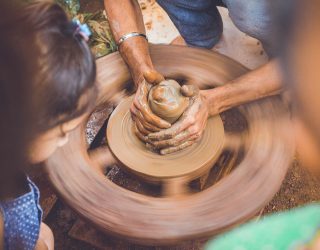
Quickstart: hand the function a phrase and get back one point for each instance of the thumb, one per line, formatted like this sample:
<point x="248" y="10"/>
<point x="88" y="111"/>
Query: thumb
<point x="153" y="77"/>
<point x="189" y="90"/>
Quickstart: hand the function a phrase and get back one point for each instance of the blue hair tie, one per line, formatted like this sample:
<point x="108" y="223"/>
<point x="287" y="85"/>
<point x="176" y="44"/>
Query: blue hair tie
<point x="82" y="29"/>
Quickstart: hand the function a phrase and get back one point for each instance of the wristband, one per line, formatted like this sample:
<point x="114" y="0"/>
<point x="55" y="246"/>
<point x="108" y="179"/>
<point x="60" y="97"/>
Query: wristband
<point x="129" y="35"/>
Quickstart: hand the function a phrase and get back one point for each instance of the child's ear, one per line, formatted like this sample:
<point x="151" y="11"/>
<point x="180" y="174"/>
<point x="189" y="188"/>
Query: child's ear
<point x="308" y="148"/>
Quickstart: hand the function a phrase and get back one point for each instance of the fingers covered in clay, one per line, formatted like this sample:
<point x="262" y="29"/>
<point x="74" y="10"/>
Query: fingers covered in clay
<point x="185" y="131"/>
<point x="160" y="135"/>
<point x="186" y="120"/>
<point x="171" y="142"/>
<point x="140" y="104"/>
<point x="140" y="135"/>
<point x="146" y="126"/>
<point x="151" y="147"/>
<point x="180" y="146"/>
<point x="141" y="128"/>
<point x="166" y="134"/>
<point x="177" y="148"/>
<point x="153" y="77"/>
<point x="174" y="142"/>
<point x="189" y="90"/>
<point x="192" y="133"/>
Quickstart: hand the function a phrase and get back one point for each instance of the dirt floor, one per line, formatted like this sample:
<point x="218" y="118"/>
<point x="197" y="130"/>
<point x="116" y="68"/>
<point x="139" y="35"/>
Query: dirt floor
<point x="298" y="188"/>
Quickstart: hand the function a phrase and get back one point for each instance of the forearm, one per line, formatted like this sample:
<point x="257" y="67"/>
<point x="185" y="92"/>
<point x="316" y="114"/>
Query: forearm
<point x="262" y="82"/>
<point x="1" y="231"/>
<point x="46" y="239"/>
<point x="125" y="16"/>
<point x="41" y="245"/>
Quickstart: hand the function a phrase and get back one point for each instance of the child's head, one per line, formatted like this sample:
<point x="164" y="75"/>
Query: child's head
<point x="64" y="84"/>
<point x="15" y="95"/>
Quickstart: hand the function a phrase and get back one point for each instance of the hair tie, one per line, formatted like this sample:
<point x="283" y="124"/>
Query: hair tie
<point x="82" y="29"/>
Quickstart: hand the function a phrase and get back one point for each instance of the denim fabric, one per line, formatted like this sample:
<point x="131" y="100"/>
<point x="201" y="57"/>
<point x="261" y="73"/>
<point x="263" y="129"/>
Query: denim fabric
<point x="200" y="24"/>
<point x="22" y="218"/>
<point x="255" y="18"/>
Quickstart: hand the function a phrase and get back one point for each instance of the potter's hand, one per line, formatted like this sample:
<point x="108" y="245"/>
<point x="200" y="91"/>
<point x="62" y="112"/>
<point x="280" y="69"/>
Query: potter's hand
<point x="188" y="129"/>
<point x="146" y="121"/>
<point x="124" y="19"/>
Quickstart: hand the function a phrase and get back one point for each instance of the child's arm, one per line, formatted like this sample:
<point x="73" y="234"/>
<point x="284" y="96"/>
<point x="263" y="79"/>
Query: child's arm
<point x="46" y="240"/>
<point x="41" y="245"/>
<point x="1" y="232"/>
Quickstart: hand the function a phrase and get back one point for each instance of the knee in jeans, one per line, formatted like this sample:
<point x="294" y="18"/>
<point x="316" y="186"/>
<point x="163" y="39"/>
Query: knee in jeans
<point x="251" y="17"/>
<point x="206" y="44"/>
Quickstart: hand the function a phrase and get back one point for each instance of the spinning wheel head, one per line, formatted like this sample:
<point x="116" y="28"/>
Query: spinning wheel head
<point x="157" y="220"/>
<point x="133" y="154"/>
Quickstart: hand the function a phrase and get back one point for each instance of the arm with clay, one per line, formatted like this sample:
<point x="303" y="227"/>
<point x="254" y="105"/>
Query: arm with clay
<point x="262" y="82"/>
<point x="125" y="17"/>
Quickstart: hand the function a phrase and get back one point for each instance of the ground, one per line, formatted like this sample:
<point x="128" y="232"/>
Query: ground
<point x="298" y="188"/>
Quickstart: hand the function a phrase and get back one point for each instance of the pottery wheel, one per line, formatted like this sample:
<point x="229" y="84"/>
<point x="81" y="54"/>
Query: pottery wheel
<point x="191" y="162"/>
<point x="267" y="152"/>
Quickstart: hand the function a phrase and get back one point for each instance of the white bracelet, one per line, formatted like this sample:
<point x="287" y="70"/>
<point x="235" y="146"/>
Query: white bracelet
<point x="129" y="35"/>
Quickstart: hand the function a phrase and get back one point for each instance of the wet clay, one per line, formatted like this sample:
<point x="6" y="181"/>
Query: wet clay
<point x="189" y="163"/>
<point x="166" y="100"/>
<point x="162" y="221"/>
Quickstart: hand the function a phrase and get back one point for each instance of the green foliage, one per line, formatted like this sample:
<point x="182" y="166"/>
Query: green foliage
<point x="72" y="7"/>
<point x="101" y="42"/>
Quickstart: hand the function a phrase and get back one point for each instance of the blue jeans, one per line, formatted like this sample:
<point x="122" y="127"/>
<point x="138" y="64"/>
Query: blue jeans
<point x="200" y="23"/>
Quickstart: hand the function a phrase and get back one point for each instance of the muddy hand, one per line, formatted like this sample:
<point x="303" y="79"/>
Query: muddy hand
<point x="146" y="121"/>
<point x="187" y="130"/>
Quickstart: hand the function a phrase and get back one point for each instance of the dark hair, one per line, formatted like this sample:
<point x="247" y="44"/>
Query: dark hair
<point x="15" y="93"/>
<point x="64" y="84"/>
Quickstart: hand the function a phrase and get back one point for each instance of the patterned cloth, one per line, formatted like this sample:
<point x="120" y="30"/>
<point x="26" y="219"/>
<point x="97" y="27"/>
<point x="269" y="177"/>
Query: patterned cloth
<point x="291" y="230"/>
<point x="22" y="218"/>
